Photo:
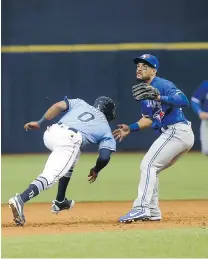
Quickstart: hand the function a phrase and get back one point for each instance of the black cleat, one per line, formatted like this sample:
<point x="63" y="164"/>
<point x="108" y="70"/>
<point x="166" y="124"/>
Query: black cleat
<point x="64" y="205"/>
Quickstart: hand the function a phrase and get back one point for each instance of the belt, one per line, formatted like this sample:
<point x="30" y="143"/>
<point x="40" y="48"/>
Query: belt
<point x="72" y="129"/>
<point x="163" y="129"/>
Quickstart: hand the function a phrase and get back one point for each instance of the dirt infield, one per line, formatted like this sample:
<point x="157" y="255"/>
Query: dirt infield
<point x="89" y="217"/>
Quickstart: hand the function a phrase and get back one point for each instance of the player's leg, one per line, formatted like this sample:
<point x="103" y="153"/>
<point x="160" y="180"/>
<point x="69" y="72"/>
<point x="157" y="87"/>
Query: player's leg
<point x="155" y="211"/>
<point x="62" y="186"/>
<point x="163" y="153"/>
<point x="171" y="143"/>
<point x="66" y="146"/>
<point x="204" y="136"/>
<point x="56" y="166"/>
<point x="61" y="202"/>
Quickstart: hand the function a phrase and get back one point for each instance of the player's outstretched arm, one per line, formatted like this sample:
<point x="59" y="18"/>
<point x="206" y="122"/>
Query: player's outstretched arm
<point x="196" y="101"/>
<point x="124" y="130"/>
<point x="102" y="161"/>
<point x="179" y="100"/>
<point x="51" y="113"/>
<point x="196" y="106"/>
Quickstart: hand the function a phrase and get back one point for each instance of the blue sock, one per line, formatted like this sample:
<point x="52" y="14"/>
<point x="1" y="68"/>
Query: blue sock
<point x="29" y="193"/>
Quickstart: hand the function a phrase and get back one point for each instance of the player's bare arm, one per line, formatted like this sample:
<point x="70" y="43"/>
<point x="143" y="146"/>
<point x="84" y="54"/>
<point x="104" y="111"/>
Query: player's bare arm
<point x="55" y="110"/>
<point x="124" y="130"/>
<point x="51" y="113"/>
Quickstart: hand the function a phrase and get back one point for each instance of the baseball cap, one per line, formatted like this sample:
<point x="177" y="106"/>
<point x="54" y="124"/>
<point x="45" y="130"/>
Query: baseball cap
<point x="148" y="59"/>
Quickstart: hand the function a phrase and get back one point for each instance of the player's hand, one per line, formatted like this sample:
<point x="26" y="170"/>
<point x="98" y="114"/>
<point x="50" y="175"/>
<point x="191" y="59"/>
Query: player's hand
<point x="158" y="98"/>
<point x="92" y="175"/>
<point x="31" y="125"/>
<point x="203" y="115"/>
<point x="122" y="132"/>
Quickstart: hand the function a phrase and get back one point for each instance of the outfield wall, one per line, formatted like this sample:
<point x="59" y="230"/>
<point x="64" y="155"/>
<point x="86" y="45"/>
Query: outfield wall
<point x="41" y="64"/>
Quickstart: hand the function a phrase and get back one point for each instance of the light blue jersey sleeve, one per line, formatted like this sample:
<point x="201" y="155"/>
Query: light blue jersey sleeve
<point x="70" y="102"/>
<point x="108" y="142"/>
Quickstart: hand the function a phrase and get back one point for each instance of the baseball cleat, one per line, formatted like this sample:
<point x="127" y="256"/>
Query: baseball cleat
<point x="155" y="215"/>
<point x="16" y="204"/>
<point x="134" y="215"/>
<point x="155" y="218"/>
<point x="64" y="205"/>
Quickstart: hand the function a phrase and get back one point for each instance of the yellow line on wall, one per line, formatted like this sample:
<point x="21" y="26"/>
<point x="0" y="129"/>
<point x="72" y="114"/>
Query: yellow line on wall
<point x="105" y="47"/>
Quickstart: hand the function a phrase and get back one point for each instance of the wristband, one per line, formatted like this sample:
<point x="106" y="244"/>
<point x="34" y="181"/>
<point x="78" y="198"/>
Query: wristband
<point x="43" y="119"/>
<point x="134" y="127"/>
<point x="199" y="111"/>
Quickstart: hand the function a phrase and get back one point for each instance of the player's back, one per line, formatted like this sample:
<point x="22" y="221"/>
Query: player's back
<point x="87" y="119"/>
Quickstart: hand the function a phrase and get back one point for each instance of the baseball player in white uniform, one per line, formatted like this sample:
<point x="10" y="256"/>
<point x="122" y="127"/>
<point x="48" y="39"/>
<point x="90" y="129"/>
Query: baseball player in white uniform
<point x="161" y="103"/>
<point x="82" y="124"/>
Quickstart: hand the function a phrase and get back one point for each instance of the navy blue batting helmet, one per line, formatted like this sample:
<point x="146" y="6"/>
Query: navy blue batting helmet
<point x="107" y="106"/>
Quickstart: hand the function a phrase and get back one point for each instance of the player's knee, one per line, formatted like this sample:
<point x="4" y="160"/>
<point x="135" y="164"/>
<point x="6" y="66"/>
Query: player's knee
<point x="46" y="180"/>
<point x="143" y="166"/>
<point x="69" y="173"/>
<point x="147" y="165"/>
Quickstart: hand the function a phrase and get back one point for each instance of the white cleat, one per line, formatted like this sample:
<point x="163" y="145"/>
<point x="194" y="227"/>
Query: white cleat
<point x="155" y="215"/>
<point x="16" y="204"/>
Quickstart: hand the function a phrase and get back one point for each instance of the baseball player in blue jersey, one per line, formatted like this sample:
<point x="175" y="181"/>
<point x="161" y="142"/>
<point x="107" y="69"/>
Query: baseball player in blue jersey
<point x="161" y="103"/>
<point x="82" y="124"/>
<point x="199" y="102"/>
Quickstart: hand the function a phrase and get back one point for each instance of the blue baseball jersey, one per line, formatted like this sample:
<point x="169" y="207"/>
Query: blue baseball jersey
<point x="163" y="114"/>
<point x="90" y="122"/>
<point x="199" y="98"/>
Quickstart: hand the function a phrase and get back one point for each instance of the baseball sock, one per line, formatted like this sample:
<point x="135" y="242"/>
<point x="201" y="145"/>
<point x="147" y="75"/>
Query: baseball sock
<point x="62" y="186"/>
<point x="29" y="193"/>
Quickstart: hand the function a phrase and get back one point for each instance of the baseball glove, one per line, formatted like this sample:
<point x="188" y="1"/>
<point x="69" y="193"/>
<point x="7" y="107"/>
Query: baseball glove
<point x="144" y="91"/>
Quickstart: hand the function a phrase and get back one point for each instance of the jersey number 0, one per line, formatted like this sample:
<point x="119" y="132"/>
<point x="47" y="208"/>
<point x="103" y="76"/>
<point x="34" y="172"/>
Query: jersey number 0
<point x="86" y="116"/>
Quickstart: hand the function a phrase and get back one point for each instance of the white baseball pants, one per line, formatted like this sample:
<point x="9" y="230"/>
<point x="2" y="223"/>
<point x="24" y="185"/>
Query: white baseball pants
<point x="65" y="146"/>
<point x="204" y="136"/>
<point x="173" y="143"/>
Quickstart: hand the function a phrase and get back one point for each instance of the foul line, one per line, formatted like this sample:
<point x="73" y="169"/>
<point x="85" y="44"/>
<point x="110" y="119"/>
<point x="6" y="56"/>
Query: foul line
<point x="105" y="47"/>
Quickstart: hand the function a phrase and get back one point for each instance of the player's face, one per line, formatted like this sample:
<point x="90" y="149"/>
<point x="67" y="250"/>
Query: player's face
<point x="144" y="72"/>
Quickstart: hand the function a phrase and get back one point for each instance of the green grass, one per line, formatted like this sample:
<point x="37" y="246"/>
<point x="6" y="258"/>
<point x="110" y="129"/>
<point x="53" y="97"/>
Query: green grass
<point x="155" y="243"/>
<point x="187" y="179"/>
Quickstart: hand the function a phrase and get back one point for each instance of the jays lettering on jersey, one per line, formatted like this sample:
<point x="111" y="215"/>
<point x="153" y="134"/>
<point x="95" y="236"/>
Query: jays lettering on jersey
<point x="163" y="113"/>
<point x="199" y="100"/>
<point x="90" y="122"/>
